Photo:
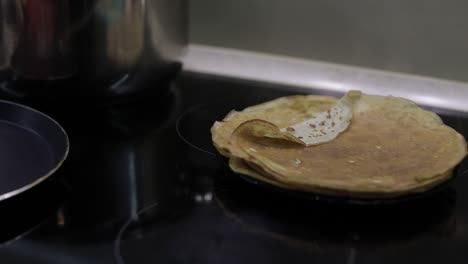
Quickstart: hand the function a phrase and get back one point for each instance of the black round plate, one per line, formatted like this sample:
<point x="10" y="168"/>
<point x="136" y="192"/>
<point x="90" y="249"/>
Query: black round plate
<point x="341" y="199"/>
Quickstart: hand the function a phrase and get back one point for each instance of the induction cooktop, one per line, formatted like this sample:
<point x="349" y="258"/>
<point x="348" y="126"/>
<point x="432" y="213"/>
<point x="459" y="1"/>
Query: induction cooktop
<point x="143" y="184"/>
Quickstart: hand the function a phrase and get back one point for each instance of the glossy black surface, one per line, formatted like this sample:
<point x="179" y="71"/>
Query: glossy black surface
<point x="145" y="186"/>
<point x="26" y="212"/>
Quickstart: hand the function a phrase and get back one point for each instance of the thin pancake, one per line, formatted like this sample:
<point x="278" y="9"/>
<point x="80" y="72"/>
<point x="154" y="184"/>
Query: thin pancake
<point x="282" y="112"/>
<point x="392" y="147"/>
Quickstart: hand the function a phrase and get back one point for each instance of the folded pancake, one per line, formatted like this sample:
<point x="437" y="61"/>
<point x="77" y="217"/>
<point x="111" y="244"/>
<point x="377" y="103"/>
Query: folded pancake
<point x="282" y="112"/>
<point x="392" y="147"/>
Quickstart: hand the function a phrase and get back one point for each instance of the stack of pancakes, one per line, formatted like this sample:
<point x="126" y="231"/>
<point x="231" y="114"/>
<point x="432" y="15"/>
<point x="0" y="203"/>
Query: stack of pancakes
<point x="390" y="148"/>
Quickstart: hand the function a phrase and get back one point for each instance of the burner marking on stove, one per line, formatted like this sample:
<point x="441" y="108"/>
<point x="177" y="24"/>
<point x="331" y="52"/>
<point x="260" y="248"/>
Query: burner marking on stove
<point x="180" y="134"/>
<point x="118" y="239"/>
<point x="293" y="242"/>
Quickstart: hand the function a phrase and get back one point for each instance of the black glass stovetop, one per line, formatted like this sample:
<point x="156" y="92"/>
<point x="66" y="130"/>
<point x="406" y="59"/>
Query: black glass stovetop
<point x="142" y="184"/>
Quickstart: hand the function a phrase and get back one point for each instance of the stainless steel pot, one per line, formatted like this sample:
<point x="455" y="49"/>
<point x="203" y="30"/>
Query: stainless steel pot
<point x="109" y="47"/>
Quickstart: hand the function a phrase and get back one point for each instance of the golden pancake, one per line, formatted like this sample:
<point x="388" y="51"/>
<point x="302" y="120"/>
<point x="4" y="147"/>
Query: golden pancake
<point x="392" y="147"/>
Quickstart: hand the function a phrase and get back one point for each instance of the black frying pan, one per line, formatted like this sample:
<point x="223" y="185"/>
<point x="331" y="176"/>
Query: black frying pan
<point x="32" y="148"/>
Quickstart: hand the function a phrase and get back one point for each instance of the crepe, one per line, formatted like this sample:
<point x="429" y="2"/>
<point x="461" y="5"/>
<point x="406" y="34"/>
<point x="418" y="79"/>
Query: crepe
<point x="283" y="112"/>
<point x="392" y="147"/>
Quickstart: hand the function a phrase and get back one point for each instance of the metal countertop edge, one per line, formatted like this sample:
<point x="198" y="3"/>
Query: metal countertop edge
<point x="311" y="74"/>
